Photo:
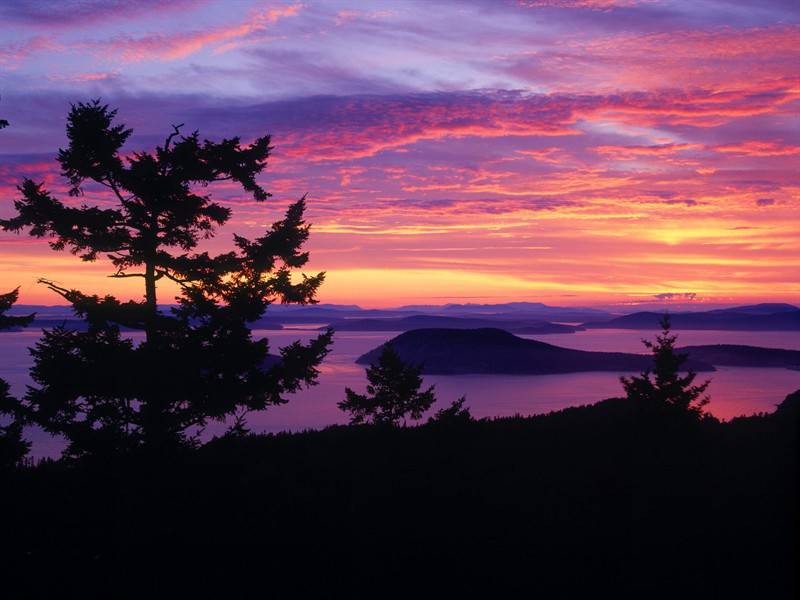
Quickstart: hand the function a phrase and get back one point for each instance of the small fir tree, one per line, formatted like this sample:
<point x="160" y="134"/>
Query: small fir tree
<point x="455" y="414"/>
<point x="664" y="388"/>
<point x="393" y="393"/>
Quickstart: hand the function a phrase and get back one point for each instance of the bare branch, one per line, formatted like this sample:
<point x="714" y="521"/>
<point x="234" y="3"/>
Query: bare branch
<point x="181" y="282"/>
<point x="61" y="291"/>
<point x="171" y="136"/>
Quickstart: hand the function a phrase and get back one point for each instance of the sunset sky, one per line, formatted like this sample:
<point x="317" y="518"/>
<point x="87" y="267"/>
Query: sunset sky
<point x="572" y="152"/>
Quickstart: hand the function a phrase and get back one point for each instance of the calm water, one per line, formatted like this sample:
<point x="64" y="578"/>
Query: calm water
<point x="734" y="391"/>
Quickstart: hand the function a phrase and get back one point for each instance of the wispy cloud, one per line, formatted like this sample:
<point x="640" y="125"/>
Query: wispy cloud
<point x="173" y="46"/>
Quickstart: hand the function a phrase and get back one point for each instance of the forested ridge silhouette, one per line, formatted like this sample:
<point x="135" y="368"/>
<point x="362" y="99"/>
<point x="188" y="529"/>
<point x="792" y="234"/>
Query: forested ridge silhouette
<point x="601" y="499"/>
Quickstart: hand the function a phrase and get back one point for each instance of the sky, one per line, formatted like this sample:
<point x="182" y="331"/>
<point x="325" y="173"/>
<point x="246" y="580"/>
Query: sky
<point x="573" y="152"/>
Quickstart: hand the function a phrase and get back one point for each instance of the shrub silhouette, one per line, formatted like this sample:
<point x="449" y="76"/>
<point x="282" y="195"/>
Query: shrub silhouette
<point x="198" y="361"/>
<point x="393" y="393"/>
<point x="13" y="448"/>
<point x="664" y="388"/>
<point x="455" y="414"/>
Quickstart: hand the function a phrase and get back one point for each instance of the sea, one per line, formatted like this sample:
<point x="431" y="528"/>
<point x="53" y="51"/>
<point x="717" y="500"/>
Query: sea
<point x="734" y="391"/>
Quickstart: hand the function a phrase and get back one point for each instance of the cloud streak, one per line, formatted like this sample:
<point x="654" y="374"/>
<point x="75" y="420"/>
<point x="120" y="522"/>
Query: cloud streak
<point x="169" y="47"/>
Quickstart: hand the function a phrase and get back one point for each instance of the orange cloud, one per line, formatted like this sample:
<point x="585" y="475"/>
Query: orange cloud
<point x="632" y="152"/>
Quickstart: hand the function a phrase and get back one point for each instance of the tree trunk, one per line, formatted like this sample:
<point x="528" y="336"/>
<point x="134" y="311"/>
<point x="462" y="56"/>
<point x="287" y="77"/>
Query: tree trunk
<point x="150" y="299"/>
<point x="153" y="424"/>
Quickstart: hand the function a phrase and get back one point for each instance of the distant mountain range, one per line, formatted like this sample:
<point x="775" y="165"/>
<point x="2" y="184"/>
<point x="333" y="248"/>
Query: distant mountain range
<point x="756" y="317"/>
<point x="494" y="351"/>
<point x="515" y="310"/>
<point x="532" y="318"/>
<point x="428" y="321"/>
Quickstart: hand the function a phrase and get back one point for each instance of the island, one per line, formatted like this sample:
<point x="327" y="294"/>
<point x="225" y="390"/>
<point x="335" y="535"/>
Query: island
<point x="494" y="351"/>
<point x="733" y="355"/>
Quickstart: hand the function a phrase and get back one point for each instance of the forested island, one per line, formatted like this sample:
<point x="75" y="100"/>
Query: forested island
<point x="493" y="351"/>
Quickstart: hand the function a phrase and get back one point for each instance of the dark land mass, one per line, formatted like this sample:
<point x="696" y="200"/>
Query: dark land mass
<point x="323" y="313"/>
<point x="494" y="351"/>
<point x="512" y="316"/>
<point x="602" y="501"/>
<point x="765" y="308"/>
<point x="427" y="321"/>
<point x="748" y="318"/>
<point x="744" y="356"/>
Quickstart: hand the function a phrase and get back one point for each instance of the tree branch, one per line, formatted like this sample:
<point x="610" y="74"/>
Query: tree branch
<point x="177" y="131"/>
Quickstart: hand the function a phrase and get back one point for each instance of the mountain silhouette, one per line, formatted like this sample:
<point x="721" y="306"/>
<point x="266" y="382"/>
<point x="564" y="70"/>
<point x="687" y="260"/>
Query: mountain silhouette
<point x="747" y="318"/>
<point x="438" y="321"/>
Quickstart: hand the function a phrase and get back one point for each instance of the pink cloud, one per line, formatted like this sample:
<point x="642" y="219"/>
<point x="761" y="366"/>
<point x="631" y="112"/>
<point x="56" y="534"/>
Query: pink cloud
<point x="758" y="148"/>
<point x="168" y="47"/>
<point x="365" y="126"/>
<point x="590" y="4"/>
<point x="12" y="53"/>
<point x="700" y="57"/>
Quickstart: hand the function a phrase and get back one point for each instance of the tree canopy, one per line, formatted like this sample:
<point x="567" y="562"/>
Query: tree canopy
<point x="198" y="360"/>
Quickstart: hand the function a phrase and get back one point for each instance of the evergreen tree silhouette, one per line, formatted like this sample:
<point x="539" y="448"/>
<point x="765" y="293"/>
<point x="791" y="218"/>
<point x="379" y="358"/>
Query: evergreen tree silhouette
<point x="13" y="447"/>
<point x="664" y="388"/>
<point x="393" y="393"/>
<point x="198" y="361"/>
<point x="455" y="414"/>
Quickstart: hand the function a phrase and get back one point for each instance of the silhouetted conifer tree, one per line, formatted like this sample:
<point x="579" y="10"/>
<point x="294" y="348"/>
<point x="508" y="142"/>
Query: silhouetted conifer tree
<point x="393" y="393"/>
<point x="13" y="447"/>
<point x="664" y="388"/>
<point x="455" y="414"/>
<point x="198" y="361"/>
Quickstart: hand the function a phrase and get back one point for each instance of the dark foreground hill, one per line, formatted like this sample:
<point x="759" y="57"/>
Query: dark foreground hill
<point x="428" y="321"/>
<point x="493" y="351"/>
<point x="600" y="501"/>
<point x="748" y="318"/>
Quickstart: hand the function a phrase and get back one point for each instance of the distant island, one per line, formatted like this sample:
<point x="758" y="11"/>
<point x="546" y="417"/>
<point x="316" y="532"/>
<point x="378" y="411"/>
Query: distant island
<point x="437" y="321"/>
<point x="494" y="351"/>
<point x="757" y="317"/>
<point x="732" y="355"/>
